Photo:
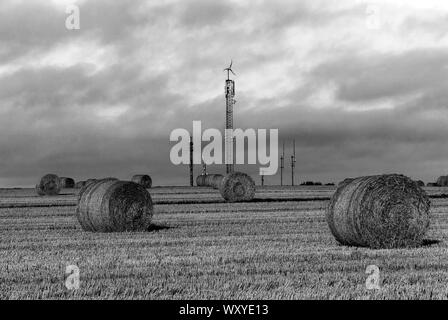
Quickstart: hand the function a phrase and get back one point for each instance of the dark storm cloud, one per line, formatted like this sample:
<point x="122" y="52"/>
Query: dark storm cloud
<point x="163" y="69"/>
<point x="30" y="27"/>
<point x="203" y="13"/>
<point x="371" y="77"/>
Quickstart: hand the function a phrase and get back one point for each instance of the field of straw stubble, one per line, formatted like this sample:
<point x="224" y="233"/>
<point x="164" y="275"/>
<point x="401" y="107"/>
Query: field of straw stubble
<point x="277" y="247"/>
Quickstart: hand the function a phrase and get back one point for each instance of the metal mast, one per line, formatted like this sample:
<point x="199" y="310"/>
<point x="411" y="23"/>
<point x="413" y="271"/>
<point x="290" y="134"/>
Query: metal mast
<point x="230" y="101"/>
<point x="204" y="168"/>
<point x="293" y="162"/>
<point x="282" y="164"/>
<point x="191" y="162"/>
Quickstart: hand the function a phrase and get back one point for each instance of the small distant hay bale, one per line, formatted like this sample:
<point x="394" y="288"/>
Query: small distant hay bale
<point x="109" y="205"/>
<point x="143" y="179"/>
<point x="420" y="183"/>
<point x="49" y="185"/>
<point x="200" y="181"/>
<point x="237" y="187"/>
<point x="217" y="180"/>
<point x="80" y="184"/>
<point x="67" y="183"/>
<point x="307" y="183"/>
<point x="432" y="184"/>
<point x="209" y="180"/>
<point x="385" y="211"/>
<point x="442" y="181"/>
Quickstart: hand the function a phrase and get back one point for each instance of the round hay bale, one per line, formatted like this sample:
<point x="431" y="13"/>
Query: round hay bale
<point x="345" y="181"/>
<point x="442" y="181"/>
<point x="49" y="185"/>
<point x="80" y="184"/>
<point x="237" y="186"/>
<point x="209" y="180"/>
<point x="90" y="180"/>
<point x="200" y="181"/>
<point x="420" y="183"/>
<point x="67" y="183"/>
<point x="217" y="180"/>
<point x="142" y="179"/>
<point x="114" y="206"/>
<point x="384" y="211"/>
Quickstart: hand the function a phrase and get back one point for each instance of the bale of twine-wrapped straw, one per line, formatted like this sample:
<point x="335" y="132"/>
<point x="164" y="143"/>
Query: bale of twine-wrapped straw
<point x="114" y="206"/>
<point x="209" y="180"/>
<point x="420" y="183"/>
<point x="216" y="181"/>
<point x="67" y="183"/>
<point x="200" y="181"/>
<point x="384" y="211"/>
<point x="442" y="181"/>
<point x="80" y="184"/>
<point x="49" y="185"/>
<point x="142" y="179"/>
<point x="237" y="186"/>
<point x="90" y="180"/>
<point x="345" y="181"/>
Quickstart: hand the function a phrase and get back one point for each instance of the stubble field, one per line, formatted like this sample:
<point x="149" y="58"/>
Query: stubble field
<point x="277" y="247"/>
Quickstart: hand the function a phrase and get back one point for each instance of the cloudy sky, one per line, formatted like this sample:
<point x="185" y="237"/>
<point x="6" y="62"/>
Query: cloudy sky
<point x="361" y="86"/>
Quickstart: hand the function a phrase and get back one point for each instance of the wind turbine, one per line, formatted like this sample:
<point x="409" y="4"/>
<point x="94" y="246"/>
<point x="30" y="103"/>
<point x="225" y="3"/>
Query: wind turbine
<point x="229" y="69"/>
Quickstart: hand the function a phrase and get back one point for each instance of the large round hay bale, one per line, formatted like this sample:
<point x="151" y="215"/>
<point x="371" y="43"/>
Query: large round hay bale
<point x="384" y="211"/>
<point x="49" y="185"/>
<point x="442" y="181"/>
<point x="114" y="206"/>
<point x="67" y="183"/>
<point x="91" y="180"/>
<point x="346" y="180"/>
<point x="237" y="186"/>
<point x="143" y="179"/>
<point x="200" y="181"/>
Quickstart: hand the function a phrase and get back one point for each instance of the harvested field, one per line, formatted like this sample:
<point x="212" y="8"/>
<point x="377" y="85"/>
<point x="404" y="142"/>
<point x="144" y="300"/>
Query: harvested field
<point x="199" y="247"/>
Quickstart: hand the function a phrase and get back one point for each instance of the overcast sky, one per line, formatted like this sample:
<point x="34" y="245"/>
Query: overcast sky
<point x="361" y="86"/>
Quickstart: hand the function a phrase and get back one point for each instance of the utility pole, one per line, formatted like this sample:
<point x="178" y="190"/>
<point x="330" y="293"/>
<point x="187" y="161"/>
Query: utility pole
<point x="282" y="164"/>
<point x="191" y="162"/>
<point x="293" y="162"/>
